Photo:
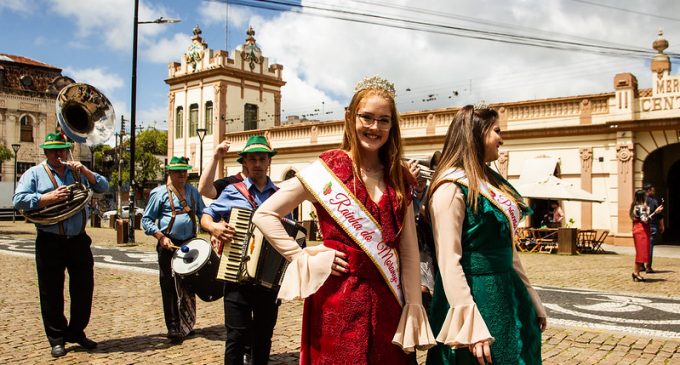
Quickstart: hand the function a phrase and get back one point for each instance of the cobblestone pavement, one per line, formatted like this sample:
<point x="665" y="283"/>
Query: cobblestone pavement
<point x="127" y="318"/>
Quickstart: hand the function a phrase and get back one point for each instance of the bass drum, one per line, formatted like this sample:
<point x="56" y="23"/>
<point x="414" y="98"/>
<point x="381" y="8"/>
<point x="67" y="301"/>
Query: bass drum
<point x="196" y="263"/>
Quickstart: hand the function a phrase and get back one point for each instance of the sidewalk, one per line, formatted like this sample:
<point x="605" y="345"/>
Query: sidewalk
<point x="127" y="317"/>
<point x="127" y="321"/>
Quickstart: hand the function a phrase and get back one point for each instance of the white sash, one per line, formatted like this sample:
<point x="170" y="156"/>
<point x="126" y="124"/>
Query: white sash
<point x="355" y="220"/>
<point x="496" y="196"/>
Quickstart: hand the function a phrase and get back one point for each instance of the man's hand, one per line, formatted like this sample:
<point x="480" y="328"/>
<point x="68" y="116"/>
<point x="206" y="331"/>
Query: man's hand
<point x="222" y="231"/>
<point x="166" y="243"/>
<point x="55" y="196"/>
<point x="414" y="169"/>
<point x="222" y="149"/>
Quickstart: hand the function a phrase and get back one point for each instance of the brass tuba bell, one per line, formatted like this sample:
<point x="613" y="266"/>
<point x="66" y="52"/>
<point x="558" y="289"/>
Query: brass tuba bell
<point x="86" y="116"/>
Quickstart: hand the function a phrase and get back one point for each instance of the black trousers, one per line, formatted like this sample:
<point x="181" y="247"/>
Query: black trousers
<point x="168" y="291"/>
<point x="53" y="255"/>
<point x="250" y="313"/>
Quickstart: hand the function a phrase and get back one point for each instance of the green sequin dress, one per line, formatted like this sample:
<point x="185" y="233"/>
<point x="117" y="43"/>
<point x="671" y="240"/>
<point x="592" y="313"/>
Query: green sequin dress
<point x="501" y="296"/>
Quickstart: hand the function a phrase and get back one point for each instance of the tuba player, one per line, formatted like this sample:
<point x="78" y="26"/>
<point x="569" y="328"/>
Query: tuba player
<point x="63" y="245"/>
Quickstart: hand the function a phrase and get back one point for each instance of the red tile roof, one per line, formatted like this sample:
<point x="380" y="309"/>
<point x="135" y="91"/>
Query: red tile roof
<point x="25" y="60"/>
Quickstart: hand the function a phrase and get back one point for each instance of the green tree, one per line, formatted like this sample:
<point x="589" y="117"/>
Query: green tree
<point x="153" y="141"/>
<point x="5" y="153"/>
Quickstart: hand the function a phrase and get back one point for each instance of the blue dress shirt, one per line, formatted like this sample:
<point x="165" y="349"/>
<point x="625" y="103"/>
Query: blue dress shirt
<point x="35" y="182"/>
<point x="158" y="210"/>
<point x="231" y="197"/>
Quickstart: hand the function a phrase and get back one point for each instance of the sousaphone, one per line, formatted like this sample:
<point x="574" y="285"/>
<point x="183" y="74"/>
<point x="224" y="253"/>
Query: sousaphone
<point x="86" y="116"/>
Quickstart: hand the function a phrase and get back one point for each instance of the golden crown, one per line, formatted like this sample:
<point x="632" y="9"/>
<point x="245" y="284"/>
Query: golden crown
<point x="481" y="105"/>
<point x="376" y="83"/>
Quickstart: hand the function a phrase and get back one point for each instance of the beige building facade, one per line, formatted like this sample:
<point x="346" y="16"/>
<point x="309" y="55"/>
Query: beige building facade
<point x="608" y="144"/>
<point x="28" y="90"/>
<point x="211" y="91"/>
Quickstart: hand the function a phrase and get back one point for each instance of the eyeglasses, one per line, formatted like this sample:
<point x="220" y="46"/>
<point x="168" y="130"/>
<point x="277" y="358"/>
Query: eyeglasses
<point x="368" y="120"/>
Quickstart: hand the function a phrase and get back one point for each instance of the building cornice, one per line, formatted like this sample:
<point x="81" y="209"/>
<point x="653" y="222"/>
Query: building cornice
<point x="224" y="71"/>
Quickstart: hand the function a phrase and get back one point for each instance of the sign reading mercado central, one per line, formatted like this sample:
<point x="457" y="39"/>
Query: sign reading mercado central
<point x="666" y="95"/>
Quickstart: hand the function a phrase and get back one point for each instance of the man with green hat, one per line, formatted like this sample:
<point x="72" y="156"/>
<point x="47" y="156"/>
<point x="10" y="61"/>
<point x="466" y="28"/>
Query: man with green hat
<point x="170" y="216"/>
<point x="63" y="245"/>
<point x="250" y="311"/>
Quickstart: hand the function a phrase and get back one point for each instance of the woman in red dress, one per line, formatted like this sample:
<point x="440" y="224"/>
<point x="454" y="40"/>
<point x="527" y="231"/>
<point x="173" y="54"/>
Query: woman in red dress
<point x="640" y="214"/>
<point x="355" y="312"/>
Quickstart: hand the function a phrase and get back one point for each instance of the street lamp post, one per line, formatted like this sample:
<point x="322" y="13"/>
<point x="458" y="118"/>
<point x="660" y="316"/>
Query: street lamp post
<point x="15" y="147"/>
<point x="92" y="157"/>
<point x="201" y="134"/>
<point x="133" y="114"/>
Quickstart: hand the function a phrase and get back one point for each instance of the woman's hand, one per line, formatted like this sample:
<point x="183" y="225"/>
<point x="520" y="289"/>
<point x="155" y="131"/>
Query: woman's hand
<point x="482" y="351"/>
<point x="340" y="266"/>
<point x="542" y="323"/>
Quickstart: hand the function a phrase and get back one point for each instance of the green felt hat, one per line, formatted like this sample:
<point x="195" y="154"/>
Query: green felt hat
<point x="256" y="144"/>
<point x="178" y="163"/>
<point x="55" y="141"/>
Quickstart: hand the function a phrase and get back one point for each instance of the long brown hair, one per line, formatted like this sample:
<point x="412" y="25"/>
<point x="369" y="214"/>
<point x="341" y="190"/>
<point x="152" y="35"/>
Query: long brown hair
<point x="464" y="149"/>
<point x="390" y="153"/>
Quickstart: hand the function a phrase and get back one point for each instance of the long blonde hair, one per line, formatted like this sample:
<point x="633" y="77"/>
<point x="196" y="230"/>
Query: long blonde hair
<point x="390" y="153"/>
<point x="464" y="149"/>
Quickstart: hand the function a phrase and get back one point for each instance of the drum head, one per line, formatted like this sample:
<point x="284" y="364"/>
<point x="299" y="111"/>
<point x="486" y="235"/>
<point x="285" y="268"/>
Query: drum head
<point x="187" y="263"/>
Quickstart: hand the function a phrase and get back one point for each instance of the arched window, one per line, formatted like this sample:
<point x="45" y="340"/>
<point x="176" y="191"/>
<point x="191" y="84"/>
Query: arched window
<point x="179" y="122"/>
<point x="193" y="119"/>
<point x="250" y="117"/>
<point x="26" y="134"/>
<point x="209" y="117"/>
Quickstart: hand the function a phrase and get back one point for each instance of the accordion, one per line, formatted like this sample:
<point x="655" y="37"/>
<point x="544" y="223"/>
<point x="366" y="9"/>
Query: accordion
<point x="249" y="258"/>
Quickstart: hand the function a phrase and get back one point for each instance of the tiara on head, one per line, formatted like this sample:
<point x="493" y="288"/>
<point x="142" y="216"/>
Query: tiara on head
<point x="481" y="105"/>
<point x="376" y="83"/>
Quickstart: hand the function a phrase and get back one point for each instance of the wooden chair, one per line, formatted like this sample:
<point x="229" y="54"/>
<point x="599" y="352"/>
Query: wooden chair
<point x="597" y="244"/>
<point x="586" y="240"/>
<point x="545" y="239"/>
<point x="522" y="239"/>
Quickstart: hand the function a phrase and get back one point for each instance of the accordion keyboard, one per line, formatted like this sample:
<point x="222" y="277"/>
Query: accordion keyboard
<point x="232" y="253"/>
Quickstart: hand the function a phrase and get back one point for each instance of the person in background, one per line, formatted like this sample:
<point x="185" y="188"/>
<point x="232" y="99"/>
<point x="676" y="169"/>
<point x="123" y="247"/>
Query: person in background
<point x="656" y="225"/>
<point x="557" y="214"/>
<point x="641" y="215"/>
<point x="424" y="233"/>
<point x="483" y="308"/>
<point x="170" y="217"/>
<point x="362" y="304"/>
<point x="63" y="245"/>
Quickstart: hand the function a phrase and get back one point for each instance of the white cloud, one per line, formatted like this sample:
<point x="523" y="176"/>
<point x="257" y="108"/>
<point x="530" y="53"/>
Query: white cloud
<point x="212" y="12"/>
<point x="166" y="50"/>
<point x="111" y="20"/>
<point x="154" y="116"/>
<point x="323" y="58"/>
<point x="20" y="6"/>
<point x="100" y="78"/>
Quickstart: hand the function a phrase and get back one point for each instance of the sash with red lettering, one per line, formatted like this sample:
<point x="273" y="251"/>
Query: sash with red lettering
<point x="504" y="203"/>
<point x="355" y="220"/>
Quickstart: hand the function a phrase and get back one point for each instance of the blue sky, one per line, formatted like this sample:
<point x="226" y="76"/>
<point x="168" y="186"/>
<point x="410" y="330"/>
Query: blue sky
<point x="323" y="58"/>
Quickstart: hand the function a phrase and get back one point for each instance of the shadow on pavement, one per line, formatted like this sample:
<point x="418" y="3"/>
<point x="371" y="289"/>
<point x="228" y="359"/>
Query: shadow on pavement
<point x="285" y="358"/>
<point x="145" y="343"/>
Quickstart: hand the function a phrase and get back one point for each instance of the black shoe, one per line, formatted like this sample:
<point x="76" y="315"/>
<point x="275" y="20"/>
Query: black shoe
<point x="175" y="336"/>
<point x="649" y="270"/>
<point x="58" y="351"/>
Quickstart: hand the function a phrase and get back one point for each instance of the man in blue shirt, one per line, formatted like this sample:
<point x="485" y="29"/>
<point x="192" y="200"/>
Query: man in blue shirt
<point x="250" y="310"/>
<point x="61" y="246"/>
<point x="170" y="217"/>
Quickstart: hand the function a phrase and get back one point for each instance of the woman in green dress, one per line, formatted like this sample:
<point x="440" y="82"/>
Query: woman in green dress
<point x="484" y="309"/>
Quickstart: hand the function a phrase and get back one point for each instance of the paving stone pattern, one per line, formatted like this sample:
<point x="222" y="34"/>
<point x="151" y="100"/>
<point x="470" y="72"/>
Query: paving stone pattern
<point x="127" y="318"/>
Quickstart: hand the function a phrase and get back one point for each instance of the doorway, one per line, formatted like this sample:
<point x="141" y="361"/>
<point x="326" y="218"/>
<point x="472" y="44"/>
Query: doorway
<point x="662" y="169"/>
